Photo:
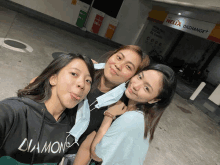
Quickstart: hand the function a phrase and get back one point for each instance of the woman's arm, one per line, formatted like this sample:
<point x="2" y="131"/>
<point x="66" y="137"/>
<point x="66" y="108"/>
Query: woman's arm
<point x="118" y="109"/>
<point x="101" y="132"/>
<point x="83" y="154"/>
<point x="119" y="138"/>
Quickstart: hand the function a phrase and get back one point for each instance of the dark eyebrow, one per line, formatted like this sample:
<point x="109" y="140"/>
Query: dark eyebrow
<point x="81" y="71"/>
<point x="128" y="61"/>
<point x="147" y="82"/>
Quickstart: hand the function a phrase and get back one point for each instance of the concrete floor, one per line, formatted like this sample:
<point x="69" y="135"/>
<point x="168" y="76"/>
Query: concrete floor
<point x="201" y="101"/>
<point x="184" y="136"/>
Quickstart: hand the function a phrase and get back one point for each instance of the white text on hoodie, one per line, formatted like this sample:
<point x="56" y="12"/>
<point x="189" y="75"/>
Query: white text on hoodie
<point x="59" y="146"/>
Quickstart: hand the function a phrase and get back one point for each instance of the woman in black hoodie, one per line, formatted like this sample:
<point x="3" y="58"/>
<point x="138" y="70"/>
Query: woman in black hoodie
<point x="33" y="125"/>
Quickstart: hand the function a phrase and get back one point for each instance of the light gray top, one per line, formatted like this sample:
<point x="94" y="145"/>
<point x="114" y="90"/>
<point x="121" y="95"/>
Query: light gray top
<point x="124" y="143"/>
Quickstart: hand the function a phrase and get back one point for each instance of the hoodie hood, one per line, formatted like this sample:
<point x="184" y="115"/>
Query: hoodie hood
<point x="39" y="109"/>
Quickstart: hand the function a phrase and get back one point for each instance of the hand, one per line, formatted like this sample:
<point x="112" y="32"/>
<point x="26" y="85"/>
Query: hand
<point x="117" y="109"/>
<point x="96" y="158"/>
<point x="94" y="62"/>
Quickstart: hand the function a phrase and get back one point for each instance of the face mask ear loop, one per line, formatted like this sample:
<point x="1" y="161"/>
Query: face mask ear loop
<point x="127" y="81"/>
<point x="93" y="103"/>
<point x="68" y="142"/>
<point x="92" y="109"/>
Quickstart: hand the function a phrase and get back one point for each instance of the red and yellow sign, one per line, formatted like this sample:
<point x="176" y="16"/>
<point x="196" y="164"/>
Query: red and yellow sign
<point x="215" y="34"/>
<point x="202" y="29"/>
<point x="188" y="25"/>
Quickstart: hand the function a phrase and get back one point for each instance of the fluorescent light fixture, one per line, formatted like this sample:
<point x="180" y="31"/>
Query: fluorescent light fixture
<point x="179" y="13"/>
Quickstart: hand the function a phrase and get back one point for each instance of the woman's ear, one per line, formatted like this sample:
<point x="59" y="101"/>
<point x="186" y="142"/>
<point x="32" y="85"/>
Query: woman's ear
<point x="53" y="80"/>
<point x="153" y="101"/>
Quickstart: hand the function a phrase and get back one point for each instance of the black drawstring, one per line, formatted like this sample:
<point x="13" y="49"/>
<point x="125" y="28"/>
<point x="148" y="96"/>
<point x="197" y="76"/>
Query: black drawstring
<point x="38" y="137"/>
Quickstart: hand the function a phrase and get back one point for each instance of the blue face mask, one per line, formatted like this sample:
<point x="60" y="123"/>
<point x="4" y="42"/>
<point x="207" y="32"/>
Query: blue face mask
<point x="82" y="122"/>
<point x="83" y="112"/>
<point x="110" y="97"/>
<point x="99" y="66"/>
<point x="82" y="116"/>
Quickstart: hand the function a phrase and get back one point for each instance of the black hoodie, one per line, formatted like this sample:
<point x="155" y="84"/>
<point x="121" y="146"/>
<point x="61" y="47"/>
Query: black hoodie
<point x="30" y="134"/>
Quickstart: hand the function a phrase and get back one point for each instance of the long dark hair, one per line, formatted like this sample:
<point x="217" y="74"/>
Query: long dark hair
<point x="40" y="89"/>
<point x="153" y="112"/>
<point x="144" y="58"/>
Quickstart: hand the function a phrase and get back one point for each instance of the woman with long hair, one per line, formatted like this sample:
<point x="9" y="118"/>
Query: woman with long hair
<point x="126" y="140"/>
<point x="33" y="125"/>
<point x="120" y="66"/>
